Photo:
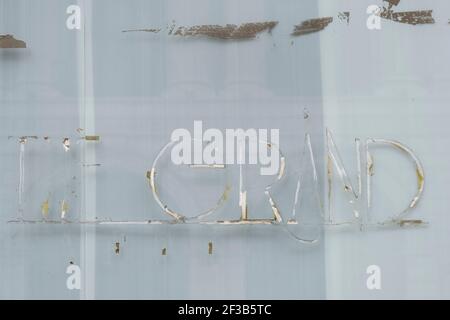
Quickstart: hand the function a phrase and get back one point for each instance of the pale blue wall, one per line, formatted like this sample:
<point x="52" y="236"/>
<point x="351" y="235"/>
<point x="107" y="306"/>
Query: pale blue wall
<point x="141" y="87"/>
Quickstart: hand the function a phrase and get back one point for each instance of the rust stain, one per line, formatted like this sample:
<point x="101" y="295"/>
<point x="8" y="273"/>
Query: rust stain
<point x="228" y="32"/>
<point x="8" y="41"/>
<point x="311" y="26"/>
<point x="408" y="17"/>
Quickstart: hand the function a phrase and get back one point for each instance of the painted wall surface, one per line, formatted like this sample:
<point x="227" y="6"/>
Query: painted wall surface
<point x="390" y="83"/>
<point x="39" y="96"/>
<point x="134" y="89"/>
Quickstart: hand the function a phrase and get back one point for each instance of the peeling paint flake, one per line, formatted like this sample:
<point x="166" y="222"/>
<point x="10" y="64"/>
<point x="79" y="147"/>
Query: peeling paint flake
<point x="66" y="144"/>
<point x="409" y="17"/>
<point x="227" y="32"/>
<point x="8" y="41"/>
<point x="393" y="2"/>
<point x="311" y="26"/>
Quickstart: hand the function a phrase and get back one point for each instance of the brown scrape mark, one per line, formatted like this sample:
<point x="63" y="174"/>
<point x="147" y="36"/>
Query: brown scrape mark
<point x="8" y="41"/>
<point x="311" y="26"/>
<point x="117" y="248"/>
<point x="164" y="252"/>
<point x="228" y="32"/>
<point x="393" y="2"/>
<point x="344" y="16"/>
<point x="408" y="17"/>
<point x="305" y="114"/>
<point x="210" y="248"/>
<point x="143" y="30"/>
<point x="92" y="138"/>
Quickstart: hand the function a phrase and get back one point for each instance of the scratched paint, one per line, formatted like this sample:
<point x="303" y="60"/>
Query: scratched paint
<point x="227" y="32"/>
<point x="393" y="2"/>
<point x="66" y="144"/>
<point x="251" y="30"/>
<point x="344" y="16"/>
<point x="45" y="208"/>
